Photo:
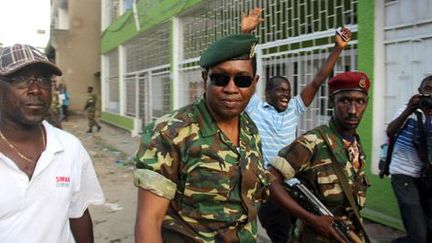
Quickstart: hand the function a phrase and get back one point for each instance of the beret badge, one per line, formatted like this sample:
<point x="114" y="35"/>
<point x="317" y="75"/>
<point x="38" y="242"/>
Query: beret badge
<point x="362" y="82"/>
<point x="252" y="51"/>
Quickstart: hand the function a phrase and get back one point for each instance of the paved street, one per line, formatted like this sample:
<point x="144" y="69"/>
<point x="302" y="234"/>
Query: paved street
<point x="110" y="150"/>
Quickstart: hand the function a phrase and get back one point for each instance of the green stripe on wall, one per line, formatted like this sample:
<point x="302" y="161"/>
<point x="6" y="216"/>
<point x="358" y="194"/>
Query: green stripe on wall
<point x="381" y="205"/>
<point x="123" y="122"/>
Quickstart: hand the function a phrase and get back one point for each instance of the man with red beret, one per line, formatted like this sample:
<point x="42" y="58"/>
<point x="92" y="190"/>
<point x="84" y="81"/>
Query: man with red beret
<point x="330" y="161"/>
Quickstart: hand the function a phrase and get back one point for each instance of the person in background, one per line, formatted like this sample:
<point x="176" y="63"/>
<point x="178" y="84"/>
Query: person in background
<point x="410" y="165"/>
<point x="277" y="118"/>
<point x="64" y="98"/>
<point x="54" y="114"/>
<point x="90" y="107"/>
<point x="330" y="161"/>
<point x="47" y="178"/>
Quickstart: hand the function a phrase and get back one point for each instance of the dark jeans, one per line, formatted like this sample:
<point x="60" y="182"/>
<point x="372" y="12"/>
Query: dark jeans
<point x="415" y="205"/>
<point x="276" y="222"/>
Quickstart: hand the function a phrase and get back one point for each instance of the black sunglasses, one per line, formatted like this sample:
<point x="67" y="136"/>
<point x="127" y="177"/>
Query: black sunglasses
<point x="220" y="79"/>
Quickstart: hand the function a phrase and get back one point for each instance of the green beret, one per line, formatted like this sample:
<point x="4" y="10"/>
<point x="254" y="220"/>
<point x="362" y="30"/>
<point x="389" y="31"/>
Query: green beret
<point x="228" y="48"/>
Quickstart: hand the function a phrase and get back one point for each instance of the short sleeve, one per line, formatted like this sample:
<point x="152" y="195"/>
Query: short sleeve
<point x="88" y="191"/>
<point x="253" y="103"/>
<point x="157" y="164"/>
<point x="298" y="105"/>
<point x="295" y="157"/>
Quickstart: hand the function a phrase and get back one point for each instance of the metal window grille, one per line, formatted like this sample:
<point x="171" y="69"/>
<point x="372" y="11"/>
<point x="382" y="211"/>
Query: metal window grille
<point x="113" y="82"/>
<point x="295" y="38"/>
<point x="148" y="50"/>
<point x="147" y="61"/>
<point x="144" y="97"/>
<point x="160" y="92"/>
<point x="131" y="87"/>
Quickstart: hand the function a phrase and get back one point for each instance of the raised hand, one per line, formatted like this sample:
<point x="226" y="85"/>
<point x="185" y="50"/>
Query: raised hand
<point x="251" y="21"/>
<point x="342" y="37"/>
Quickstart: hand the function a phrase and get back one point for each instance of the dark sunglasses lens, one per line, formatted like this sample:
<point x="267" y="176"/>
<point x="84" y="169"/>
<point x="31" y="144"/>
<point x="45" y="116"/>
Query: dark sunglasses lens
<point x="219" y="79"/>
<point x="243" y="81"/>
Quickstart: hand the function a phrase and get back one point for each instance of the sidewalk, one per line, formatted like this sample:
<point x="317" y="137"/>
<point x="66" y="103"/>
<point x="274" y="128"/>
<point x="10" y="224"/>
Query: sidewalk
<point x="110" y="149"/>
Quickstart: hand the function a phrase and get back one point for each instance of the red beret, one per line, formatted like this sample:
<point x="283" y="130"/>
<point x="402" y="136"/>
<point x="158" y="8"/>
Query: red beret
<point x="349" y="81"/>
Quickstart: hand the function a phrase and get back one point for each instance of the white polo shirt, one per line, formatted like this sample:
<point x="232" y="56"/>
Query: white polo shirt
<point x="63" y="184"/>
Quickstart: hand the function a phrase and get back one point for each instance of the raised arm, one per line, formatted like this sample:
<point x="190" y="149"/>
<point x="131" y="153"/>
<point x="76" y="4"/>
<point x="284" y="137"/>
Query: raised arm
<point x="250" y="21"/>
<point x="150" y="214"/>
<point x="395" y="125"/>
<point x="341" y="41"/>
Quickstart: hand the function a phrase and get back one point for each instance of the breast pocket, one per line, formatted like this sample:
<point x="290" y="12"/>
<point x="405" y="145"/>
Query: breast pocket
<point x="210" y="181"/>
<point x="328" y="185"/>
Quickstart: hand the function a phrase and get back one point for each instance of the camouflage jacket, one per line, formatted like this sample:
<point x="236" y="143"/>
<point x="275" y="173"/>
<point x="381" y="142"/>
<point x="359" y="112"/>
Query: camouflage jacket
<point x="214" y="186"/>
<point x="310" y="159"/>
<point x="90" y="105"/>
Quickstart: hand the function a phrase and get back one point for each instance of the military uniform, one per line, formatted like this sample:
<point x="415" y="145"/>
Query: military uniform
<point x="213" y="186"/>
<point x="53" y="115"/>
<point x="310" y="158"/>
<point x="91" y="111"/>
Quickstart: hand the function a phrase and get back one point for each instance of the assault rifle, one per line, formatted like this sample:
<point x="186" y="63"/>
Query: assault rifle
<point x="312" y="204"/>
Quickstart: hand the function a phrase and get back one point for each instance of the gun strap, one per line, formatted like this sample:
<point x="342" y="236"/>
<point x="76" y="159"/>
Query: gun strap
<point x="346" y="188"/>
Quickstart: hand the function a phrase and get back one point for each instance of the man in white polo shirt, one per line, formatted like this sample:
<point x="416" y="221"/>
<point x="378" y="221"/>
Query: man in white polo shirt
<point x="47" y="179"/>
<point x="277" y="116"/>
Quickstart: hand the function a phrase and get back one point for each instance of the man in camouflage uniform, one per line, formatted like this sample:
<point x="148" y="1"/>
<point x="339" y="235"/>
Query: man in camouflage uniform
<point x="199" y="169"/>
<point x="53" y="115"/>
<point x="90" y="106"/>
<point x="309" y="158"/>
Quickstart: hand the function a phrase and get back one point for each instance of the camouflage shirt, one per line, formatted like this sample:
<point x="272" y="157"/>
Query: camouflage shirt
<point x="214" y="186"/>
<point x="310" y="159"/>
<point x="90" y="105"/>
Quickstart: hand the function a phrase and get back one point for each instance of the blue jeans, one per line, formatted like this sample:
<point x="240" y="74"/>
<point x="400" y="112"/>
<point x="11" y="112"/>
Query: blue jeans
<point x="415" y="205"/>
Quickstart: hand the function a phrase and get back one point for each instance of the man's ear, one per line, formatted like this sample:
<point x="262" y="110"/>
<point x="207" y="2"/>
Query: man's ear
<point x="256" y="79"/>
<point x="204" y="75"/>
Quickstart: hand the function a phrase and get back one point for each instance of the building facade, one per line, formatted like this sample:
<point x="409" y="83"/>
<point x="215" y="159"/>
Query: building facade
<point x="150" y="59"/>
<point x="75" y="44"/>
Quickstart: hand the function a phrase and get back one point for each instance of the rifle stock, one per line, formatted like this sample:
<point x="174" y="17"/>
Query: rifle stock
<point x="311" y="203"/>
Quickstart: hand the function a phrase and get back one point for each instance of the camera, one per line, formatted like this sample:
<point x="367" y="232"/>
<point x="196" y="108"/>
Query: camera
<point x="425" y="101"/>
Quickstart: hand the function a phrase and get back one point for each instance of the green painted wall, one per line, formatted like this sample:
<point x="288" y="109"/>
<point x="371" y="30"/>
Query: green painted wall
<point x="124" y="122"/>
<point x="151" y="13"/>
<point x="122" y="30"/>
<point x="381" y="205"/>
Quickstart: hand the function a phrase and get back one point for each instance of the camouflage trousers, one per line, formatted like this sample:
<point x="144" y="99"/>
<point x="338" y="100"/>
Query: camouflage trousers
<point x="91" y="117"/>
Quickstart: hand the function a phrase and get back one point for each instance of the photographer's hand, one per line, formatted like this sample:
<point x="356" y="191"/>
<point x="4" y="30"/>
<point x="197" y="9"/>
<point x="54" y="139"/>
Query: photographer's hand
<point x="396" y="124"/>
<point x="413" y="104"/>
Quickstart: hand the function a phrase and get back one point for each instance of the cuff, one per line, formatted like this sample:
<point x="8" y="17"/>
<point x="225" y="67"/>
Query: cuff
<point x="155" y="183"/>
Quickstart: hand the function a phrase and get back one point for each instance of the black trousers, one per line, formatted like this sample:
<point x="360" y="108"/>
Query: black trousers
<point x="276" y="222"/>
<point x="415" y="205"/>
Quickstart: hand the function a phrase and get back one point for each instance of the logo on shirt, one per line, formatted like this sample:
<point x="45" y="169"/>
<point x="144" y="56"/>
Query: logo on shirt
<point x="62" y="181"/>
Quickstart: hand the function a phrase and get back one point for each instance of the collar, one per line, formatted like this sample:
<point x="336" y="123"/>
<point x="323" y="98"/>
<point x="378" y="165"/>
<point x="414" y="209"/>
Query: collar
<point x="340" y="148"/>
<point x="208" y="126"/>
<point x="53" y="143"/>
